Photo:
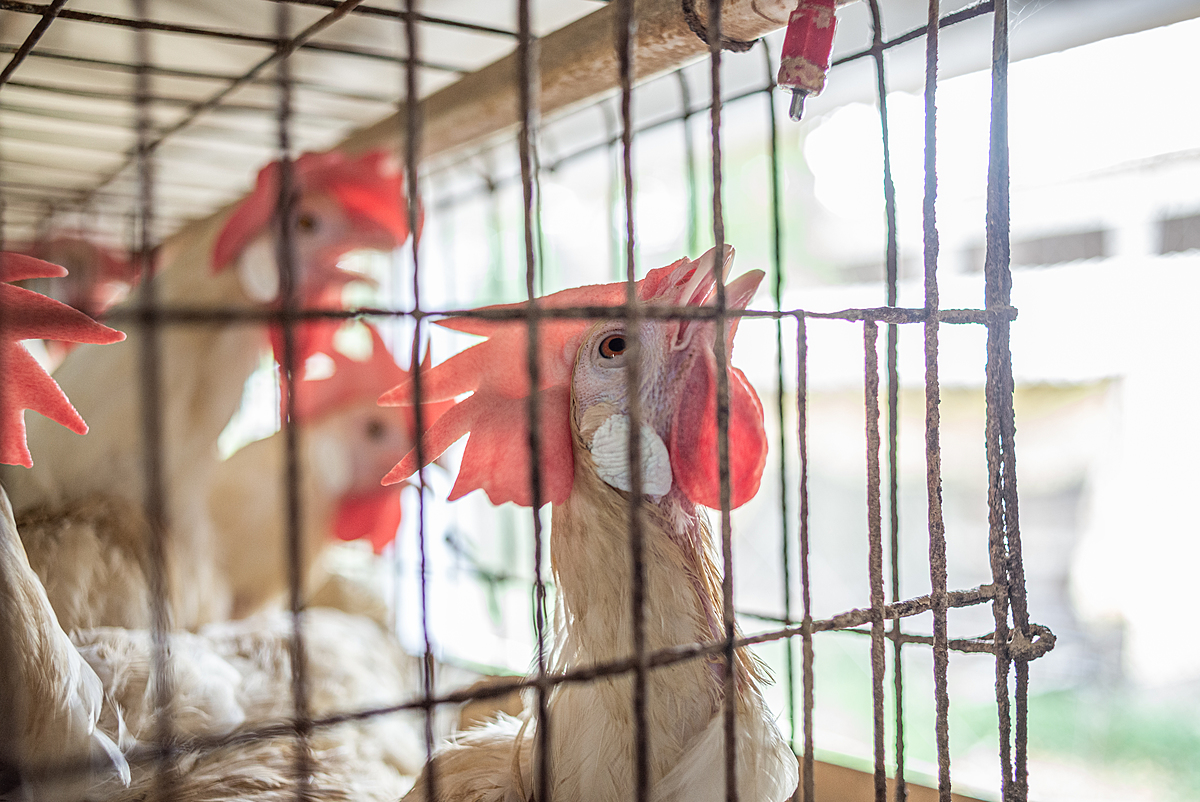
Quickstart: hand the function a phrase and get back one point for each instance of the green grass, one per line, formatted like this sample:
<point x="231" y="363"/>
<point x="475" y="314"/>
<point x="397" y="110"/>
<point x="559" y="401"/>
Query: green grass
<point x="1123" y="730"/>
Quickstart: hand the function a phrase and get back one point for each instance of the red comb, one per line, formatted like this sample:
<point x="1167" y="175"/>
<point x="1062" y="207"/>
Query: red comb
<point x="26" y="315"/>
<point x="496" y="458"/>
<point x="369" y="186"/>
<point x="352" y="380"/>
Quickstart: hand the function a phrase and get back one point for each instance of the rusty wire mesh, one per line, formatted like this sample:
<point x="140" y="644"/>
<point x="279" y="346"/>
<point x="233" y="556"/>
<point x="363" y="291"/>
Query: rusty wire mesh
<point x="1015" y="640"/>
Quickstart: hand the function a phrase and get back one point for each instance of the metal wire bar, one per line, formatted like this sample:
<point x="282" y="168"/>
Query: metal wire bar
<point x="933" y="463"/>
<point x="220" y="315"/>
<point x="410" y="112"/>
<point x="715" y="44"/>
<point x="150" y="371"/>
<point x="1004" y="530"/>
<point x="892" y="276"/>
<point x="976" y="645"/>
<point x="528" y="92"/>
<point x="217" y="33"/>
<point x="285" y="257"/>
<point x="1000" y="279"/>
<point x="875" y="548"/>
<point x="198" y="75"/>
<point x="777" y="274"/>
<point x="49" y="12"/>
<point x="624" y="32"/>
<point x="807" y="625"/>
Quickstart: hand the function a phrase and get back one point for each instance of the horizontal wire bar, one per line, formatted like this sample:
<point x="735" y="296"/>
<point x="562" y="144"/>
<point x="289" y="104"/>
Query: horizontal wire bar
<point x="1044" y="640"/>
<point x="846" y="621"/>
<point x="237" y="37"/>
<point x="962" y="15"/>
<point x="978" y="644"/>
<point x="200" y="315"/>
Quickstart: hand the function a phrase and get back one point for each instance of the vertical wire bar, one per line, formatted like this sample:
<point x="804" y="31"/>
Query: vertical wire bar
<point x="150" y="370"/>
<point x="933" y="460"/>
<point x="893" y="387"/>
<point x="875" y="548"/>
<point x="1002" y="279"/>
<point x="623" y="36"/>
<point x="810" y="793"/>
<point x="1005" y="545"/>
<point x="789" y="686"/>
<point x="689" y="166"/>
<point x="720" y="351"/>
<point x="286" y="263"/>
<point x="529" y="87"/>
<point x="412" y="148"/>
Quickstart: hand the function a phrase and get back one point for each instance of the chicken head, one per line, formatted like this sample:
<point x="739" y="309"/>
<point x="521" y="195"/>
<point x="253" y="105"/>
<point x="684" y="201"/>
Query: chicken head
<point x="357" y="440"/>
<point x="343" y="203"/>
<point x="583" y="392"/>
<point x="677" y="392"/>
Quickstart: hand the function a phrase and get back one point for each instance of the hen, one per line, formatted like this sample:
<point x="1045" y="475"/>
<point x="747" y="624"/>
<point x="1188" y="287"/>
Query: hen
<point x="346" y="444"/>
<point x="50" y="696"/>
<point x="80" y="510"/>
<point x="584" y="403"/>
<point x="71" y="706"/>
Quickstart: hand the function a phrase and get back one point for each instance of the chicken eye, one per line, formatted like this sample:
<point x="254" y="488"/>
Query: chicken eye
<point x="612" y="346"/>
<point x="375" y="430"/>
<point x="306" y="223"/>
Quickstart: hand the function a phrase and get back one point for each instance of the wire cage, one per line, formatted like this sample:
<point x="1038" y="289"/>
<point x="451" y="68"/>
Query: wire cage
<point x="464" y="121"/>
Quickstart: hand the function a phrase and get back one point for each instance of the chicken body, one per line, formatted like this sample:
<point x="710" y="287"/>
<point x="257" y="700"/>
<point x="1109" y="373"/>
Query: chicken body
<point x="74" y="707"/>
<point x="79" y="510"/>
<point x="73" y="700"/>
<point x="591" y="753"/>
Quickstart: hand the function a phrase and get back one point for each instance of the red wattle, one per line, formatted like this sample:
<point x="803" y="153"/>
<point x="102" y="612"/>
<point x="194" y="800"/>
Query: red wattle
<point x="375" y="516"/>
<point x="693" y="440"/>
